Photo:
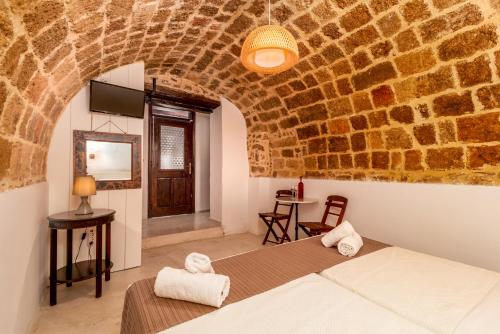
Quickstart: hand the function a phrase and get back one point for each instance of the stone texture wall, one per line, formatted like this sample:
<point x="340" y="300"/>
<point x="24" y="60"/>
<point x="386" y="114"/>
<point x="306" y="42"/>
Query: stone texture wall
<point x="385" y="89"/>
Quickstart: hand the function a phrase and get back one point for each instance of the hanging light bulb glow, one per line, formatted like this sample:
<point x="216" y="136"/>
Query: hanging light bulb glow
<point x="269" y="49"/>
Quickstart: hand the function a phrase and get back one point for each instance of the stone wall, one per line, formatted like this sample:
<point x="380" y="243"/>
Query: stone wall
<point x="385" y="89"/>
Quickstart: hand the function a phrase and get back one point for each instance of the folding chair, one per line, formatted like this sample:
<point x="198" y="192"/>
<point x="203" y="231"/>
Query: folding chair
<point x="275" y="218"/>
<point x="316" y="228"/>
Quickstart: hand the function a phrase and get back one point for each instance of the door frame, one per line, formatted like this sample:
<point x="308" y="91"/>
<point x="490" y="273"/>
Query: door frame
<point x="151" y="152"/>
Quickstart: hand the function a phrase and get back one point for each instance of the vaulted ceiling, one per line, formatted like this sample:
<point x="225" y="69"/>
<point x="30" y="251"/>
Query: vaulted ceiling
<point x="385" y="89"/>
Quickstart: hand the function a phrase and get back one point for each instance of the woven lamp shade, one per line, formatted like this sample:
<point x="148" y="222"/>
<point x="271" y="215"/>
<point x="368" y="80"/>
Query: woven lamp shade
<point x="269" y="49"/>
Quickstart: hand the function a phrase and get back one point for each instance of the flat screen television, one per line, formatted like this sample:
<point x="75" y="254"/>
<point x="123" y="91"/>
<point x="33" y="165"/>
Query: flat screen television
<point x="117" y="100"/>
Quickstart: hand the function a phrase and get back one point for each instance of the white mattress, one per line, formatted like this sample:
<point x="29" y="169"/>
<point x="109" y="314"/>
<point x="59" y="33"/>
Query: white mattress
<point x="433" y="292"/>
<point x="310" y="304"/>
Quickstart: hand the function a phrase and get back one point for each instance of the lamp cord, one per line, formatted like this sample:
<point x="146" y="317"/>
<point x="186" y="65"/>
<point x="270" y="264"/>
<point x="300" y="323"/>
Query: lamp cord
<point x="269" y="12"/>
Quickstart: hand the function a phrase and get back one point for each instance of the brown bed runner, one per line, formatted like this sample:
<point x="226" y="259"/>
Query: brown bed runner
<point x="250" y="273"/>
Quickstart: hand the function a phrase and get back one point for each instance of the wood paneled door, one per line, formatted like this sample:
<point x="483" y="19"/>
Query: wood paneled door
<point x="171" y="169"/>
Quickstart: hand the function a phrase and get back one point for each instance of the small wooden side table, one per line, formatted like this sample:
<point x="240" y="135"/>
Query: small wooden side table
<point x="74" y="272"/>
<point x="296" y="201"/>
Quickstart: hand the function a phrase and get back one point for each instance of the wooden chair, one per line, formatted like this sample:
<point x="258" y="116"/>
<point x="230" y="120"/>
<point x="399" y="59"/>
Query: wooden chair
<point x="316" y="228"/>
<point x="275" y="218"/>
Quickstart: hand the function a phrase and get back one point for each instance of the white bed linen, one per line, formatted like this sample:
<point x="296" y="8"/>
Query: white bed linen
<point x="485" y="318"/>
<point x="433" y="292"/>
<point x="310" y="304"/>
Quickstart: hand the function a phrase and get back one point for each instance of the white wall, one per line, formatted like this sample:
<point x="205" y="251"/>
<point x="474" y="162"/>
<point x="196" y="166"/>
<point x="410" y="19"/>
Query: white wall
<point x="235" y="170"/>
<point x="216" y="165"/>
<point x="23" y="255"/>
<point x="202" y="162"/>
<point x="459" y="222"/>
<point x="127" y="227"/>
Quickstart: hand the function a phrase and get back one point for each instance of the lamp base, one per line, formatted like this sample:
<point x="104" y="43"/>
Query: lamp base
<point x="84" y="208"/>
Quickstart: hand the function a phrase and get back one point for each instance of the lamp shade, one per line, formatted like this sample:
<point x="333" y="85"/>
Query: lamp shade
<point x="269" y="49"/>
<point x="84" y="186"/>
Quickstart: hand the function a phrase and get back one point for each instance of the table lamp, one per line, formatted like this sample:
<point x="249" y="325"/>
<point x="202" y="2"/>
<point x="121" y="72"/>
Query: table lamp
<point x="84" y="187"/>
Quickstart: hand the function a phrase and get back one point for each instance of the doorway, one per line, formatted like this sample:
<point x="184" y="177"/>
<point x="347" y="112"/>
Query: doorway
<point x="171" y="165"/>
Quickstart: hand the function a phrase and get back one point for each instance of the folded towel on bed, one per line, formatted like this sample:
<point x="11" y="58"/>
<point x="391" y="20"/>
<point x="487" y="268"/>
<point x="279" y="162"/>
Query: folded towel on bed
<point x="202" y="288"/>
<point x="350" y="245"/>
<point x="198" y="263"/>
<point x="334" y="236"/>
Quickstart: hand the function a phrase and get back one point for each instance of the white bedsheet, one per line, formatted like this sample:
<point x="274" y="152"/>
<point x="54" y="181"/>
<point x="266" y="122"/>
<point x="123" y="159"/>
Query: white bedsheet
<point x="310" y="304"/>
<point x="485" y="318"/>
<point x="433" y="292"/>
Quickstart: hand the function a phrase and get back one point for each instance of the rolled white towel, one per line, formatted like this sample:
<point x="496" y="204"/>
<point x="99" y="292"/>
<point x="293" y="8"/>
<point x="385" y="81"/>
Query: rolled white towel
<point x="334" y="236"/>
<point x="350" y="245"/>
<point x="202" y="288"/>
<point x="198" y="263"/>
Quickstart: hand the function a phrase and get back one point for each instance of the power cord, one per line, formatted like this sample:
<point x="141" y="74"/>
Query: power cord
<point x="84" y="235"/>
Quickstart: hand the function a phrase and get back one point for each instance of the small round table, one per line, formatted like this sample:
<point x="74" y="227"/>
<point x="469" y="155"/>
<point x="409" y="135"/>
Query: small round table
<point x="74" y="272"/>
<point x="296" y="201"/>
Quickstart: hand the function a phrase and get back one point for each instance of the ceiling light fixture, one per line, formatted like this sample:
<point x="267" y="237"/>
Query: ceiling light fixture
<point x="269" y="49"/>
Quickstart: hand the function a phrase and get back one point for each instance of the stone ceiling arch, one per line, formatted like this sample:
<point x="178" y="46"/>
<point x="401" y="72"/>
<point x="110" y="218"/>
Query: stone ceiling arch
<point x="360" y="60"/>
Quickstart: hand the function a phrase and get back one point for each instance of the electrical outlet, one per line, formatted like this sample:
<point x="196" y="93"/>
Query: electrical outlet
<point x="91" y="235"/>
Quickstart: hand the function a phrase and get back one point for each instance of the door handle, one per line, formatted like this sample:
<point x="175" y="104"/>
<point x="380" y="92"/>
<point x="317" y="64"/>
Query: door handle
<point x="190" y="168"/>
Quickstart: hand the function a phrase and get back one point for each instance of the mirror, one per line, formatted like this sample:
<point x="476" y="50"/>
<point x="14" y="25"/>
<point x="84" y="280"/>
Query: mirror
<point x="108" y="161"/>
<point x="114" y="159"/>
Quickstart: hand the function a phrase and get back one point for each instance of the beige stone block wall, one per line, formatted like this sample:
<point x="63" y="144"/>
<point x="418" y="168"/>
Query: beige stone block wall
<point x="385" y="90"/>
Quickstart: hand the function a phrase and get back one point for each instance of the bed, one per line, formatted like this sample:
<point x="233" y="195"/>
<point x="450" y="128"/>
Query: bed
<point x="251" y="273"/>
<point x="302" y="287"/>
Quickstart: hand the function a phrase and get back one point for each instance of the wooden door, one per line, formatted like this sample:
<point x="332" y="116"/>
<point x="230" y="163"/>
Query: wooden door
<point x="171" y="181"/>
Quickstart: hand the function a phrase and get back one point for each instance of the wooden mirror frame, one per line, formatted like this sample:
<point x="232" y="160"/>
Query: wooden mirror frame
<point x="80" y="157"/>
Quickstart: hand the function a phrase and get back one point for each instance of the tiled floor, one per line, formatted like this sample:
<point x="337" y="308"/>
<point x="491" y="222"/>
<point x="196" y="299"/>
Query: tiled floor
<point x="78" y="311"/>
<point x="154" y="227"/>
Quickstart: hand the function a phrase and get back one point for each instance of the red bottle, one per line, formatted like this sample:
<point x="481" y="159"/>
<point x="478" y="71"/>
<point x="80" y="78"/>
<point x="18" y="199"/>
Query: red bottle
<point x="300" y="189"/>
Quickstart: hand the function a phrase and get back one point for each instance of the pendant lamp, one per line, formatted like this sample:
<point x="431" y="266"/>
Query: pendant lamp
<point x="269" y="49"/>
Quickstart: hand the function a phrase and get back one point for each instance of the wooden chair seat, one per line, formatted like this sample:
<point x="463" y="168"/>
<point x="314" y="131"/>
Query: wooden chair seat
<point x="316" y="226"/>
<point x="275" y="215"/>
<point x="336" y="202"/>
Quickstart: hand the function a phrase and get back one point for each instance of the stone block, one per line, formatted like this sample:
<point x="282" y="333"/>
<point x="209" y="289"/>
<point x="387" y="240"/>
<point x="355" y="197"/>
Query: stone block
<point x="5" y="156"/>
<point x="445" y="158"/>
<point x="362" y="160"/>
<point x="480" y="128"/>
<point x="339" y="126"/>
<point x="360" y="60"/>
<point x="480" y="156"/>
<point x="378" y="118"/>
<point x="340" y="107"/>
<point x="315" y="112"/>
<point x="359" y="122"/>
<point x="415" y="62"/>
<point x="406" y="40"/>
<point x="304" y="98"/>
<point x="307" y="132"/>
<point x="355" y="18"/>
<point x="382" y="96"/>
<point x="361" y="101"/>
<point x="397" y="138"/>
<point x="415" y="10"/>
<point x="338" y="144"/>
<point x="50" y="39"/>
<point x="389" y="24"/>
<point x="489" y="96"/>
<point x="425" y="134"/>
<point x="363" y="36"/>
<point x="467" y="43"/>
<point x="374" y="75"/>
<point x="402" y="114"/>
<point x="380" y="160"/>
<point x="474" y="72"/>
<point x="453" y="104"/>
<point x="413" y="160"/>
<point x="344" y="86"/>
<point x="317" y="145"/>
<point x="447" y="132"/>
<point x="358" y="142"/>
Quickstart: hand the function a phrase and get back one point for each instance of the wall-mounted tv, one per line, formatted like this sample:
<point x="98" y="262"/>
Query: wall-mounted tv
<point x="117" y="100"/>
